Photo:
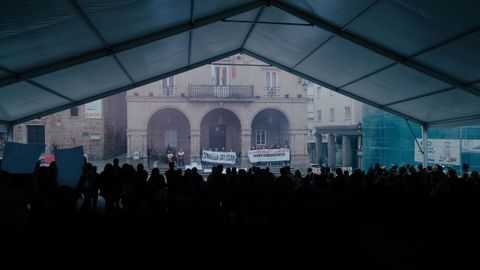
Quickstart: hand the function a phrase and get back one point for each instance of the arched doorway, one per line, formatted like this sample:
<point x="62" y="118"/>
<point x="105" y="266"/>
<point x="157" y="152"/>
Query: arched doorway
<point x="168" y="127"/>
<point x="220" y="131"/>
<point x="270" y="129"/>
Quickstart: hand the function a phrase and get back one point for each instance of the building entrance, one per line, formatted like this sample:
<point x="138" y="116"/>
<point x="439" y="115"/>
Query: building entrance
<point x="220" y="131"/>
<point x="218" y="137"/>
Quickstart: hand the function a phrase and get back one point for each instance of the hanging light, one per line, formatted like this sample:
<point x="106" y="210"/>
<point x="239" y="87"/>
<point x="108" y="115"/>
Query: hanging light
<point x="270" y="119"/>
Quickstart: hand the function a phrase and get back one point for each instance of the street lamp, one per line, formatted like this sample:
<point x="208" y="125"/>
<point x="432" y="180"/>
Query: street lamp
<point x="72" y="138"/>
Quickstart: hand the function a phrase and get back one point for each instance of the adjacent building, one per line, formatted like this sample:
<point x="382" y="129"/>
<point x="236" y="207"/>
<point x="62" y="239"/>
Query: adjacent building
<point x="98" y="126"/>
<point x="338" y="128"/>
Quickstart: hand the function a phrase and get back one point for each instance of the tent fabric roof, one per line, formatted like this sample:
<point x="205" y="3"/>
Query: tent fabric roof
<point x="414" y="58"/>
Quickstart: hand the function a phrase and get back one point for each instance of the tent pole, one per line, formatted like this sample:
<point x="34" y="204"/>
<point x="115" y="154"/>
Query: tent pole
<point x="425" y="145"/>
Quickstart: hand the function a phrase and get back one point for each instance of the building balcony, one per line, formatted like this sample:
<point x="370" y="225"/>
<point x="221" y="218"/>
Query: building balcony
<point x="168" y="91"/>
<point x="272" y="92"/>
<point x="220" y="92"/>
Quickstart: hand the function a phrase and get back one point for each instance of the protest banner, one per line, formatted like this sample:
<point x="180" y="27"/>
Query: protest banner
<point x="269" y="155"/>
<point x="69" y="162"/>
<point x="219" y="157"/>
<point x="21" y="158"/>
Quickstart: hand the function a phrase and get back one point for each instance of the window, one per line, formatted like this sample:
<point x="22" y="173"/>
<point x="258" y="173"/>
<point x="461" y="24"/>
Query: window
<point x="310" y="100"/>
<point x="261" y="137"/>
<point x="311" y="116"/>
<point x="319" y="92"/>
<point x="271" y="79"/>
<point x="36" y="134"/>
<point x="271" y="83"/>
<point x="332" y="114"/>
<point x="348" y="113"/>
<point x="319" y="115"/>
<point x="74" y="111"/>
<point x="168" y="86"/>
<point x="171" y="137"/>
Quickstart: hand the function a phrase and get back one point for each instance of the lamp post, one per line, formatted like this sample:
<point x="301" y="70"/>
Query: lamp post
<point x="72" y="138"/>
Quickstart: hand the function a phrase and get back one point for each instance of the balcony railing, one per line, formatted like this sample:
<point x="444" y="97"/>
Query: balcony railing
<point x="168" y="91"/>
<point x="224" y="92"/>
<point x="272" y="92"/>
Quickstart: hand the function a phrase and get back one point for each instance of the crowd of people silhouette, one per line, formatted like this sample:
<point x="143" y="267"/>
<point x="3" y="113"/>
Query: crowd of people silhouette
<point x="426" y="206"/>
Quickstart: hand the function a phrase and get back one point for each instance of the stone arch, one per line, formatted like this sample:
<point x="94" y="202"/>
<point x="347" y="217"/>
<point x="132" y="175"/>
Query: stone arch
<point x="220" y="128"/>
<point x="270" y="127"/>
<point x="282" y="110"/>
<point x="168" y="126"/>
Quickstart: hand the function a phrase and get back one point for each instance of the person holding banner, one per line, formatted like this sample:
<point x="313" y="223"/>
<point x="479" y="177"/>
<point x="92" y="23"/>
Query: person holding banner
<point x="180" y="155"/>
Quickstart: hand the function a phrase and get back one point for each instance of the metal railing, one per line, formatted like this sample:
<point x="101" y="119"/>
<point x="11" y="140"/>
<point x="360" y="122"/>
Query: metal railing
<point x="217" y="91"/>
<point x="272" y="92"/>
<point x="168" y="91"/>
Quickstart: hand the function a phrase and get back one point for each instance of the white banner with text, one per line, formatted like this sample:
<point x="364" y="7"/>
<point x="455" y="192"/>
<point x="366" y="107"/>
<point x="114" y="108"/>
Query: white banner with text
<point x="269" y="155"/>
<point x="219" y="157"/>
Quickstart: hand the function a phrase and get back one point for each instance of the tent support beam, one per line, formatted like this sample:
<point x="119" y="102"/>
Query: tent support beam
<point x="266" y="22"/>
<point x="44" y="88"/>
<point x="40" y="86"/>
<point x="417" y="54"/>
<point x="375" y="48"/>
<point x="413" y="136"/>
<point x="100" y="37"/>
<point x="475" y="117"/>
<point x="365" y="11"/>
<point x="189" y="48"/>
<point x="128" y="87"/>
<point x="332" y="87"/>
<point x="425" y="145"/>
<point x="7" y="127"/>
<point x="252" y="27"/>
<point x="192" y="6"/>
<point x="116" y="48"/>
<point x="420" y="96"/>
<point x="10" y="131"/>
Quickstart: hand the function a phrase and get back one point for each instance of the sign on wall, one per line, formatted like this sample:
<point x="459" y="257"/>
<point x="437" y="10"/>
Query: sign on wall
<point x="471" y="146"/>
<point x="219" y="157"/>
<point x="440" y="151"/>
<point x="94" y="109"/>
<point x="269" y="155"/>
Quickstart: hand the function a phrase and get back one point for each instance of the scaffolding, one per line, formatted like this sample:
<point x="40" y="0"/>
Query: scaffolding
<point x="388" y="140"/>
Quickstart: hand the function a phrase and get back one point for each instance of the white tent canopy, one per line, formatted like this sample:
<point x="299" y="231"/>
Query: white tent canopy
<point x="419" y="59"/>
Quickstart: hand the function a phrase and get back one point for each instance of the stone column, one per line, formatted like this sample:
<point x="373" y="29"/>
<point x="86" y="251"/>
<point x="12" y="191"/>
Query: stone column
<point x="143" y="153"/>
<point x="318" y="148"/>
<point x="136" y="141"/>
<point x="331" y="151"/>
<point x="195" y="146"/>
<point x="245" y="136"/>
<point x="298" y="149"/>
<point x="129" y="145"/>
<point x="346" y="152"/>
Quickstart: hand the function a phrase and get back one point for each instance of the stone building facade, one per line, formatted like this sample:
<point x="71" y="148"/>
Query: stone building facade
<point x="98" y="126"/>
<point x="338" y="128"/>
<point x="233" y="104"/>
